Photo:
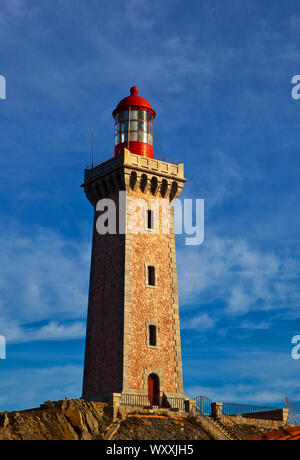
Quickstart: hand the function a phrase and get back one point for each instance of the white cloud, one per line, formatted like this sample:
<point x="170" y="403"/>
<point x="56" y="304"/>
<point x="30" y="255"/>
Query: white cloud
<point x="223" y="178"/>
<point x="199" y="322"/>
<point x="15" y="332"/>
<point x="254" y="377"/>
<point x="250" y="325"/>
<point x="26" y="388"/>
<point x="44" y="278"/>
<point x="229" y="272"/>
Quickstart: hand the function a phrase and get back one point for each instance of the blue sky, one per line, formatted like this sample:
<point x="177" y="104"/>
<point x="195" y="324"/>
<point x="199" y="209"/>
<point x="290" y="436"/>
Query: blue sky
<point x="219" y="77"/>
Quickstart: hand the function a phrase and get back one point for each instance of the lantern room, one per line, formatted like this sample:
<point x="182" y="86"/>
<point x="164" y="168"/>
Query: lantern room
<point x="134" y="125"/>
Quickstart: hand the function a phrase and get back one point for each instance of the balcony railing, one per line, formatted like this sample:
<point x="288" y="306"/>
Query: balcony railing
<point x="164" y="402"/>
<point x="156" y="156"/>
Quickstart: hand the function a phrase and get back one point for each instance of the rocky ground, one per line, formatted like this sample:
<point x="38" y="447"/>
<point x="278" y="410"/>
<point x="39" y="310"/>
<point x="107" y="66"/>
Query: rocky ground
<point x="60" y="420"/>
<point x="161" y="428"/>
<point x="75" y="419"/>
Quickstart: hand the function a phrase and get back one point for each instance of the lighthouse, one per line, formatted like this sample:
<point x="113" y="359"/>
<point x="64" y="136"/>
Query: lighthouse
<point x="133" y="347"/>
<point x="134" y="125"/>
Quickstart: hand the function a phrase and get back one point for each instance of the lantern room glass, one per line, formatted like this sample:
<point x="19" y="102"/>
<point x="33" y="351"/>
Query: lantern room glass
<point x="137" y="123"/>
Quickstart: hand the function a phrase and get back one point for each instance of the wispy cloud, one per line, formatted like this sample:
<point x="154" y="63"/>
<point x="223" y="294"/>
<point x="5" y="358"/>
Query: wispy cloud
<point x="218" y="75"/>
<point x="256" y="377"/>
<point x="44" y="277"/>
<point x="27" y="387"/>
<point x="199" y="322"/>
<point x="15" y="332"/>
<point x="239" y="277"/>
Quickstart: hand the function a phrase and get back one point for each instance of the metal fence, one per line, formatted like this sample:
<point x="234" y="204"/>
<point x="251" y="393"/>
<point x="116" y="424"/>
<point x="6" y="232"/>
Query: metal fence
<point x="241" y="409"/>
<point x="204" y="405"/>
<point x="152" y="401"/>
<point x="294" y="411"/>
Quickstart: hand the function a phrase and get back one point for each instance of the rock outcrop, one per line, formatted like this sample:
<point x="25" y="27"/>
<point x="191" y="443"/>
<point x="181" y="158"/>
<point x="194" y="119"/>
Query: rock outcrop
<point x="77" y="419"/>
<point x="71" y="419"/>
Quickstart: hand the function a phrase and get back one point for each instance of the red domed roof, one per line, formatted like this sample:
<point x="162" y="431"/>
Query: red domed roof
<point x="134" y="100"/>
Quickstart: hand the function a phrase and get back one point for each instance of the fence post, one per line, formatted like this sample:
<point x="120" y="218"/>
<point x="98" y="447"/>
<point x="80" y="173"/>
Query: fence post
<point x="189" y="405"/>
<point x="202" y="404"/>
<point x="115" y="401"/>
<point x="216" y="410"/>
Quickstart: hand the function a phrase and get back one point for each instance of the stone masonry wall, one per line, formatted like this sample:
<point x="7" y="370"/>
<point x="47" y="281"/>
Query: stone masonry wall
<point x="104" y="339"/>
<point x="158" y="304"/>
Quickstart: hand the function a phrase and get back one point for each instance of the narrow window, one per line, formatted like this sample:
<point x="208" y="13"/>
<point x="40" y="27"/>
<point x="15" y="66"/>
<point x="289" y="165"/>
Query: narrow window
<point x="152" y="336"/>
<point x="150" y="219"/>
<point x="151" y="275"/>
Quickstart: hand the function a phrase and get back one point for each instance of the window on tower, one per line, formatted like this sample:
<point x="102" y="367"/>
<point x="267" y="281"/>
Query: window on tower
<point x="152" y="336"/>
<point x="151" y="275"/>
<point x="150" y="219"/>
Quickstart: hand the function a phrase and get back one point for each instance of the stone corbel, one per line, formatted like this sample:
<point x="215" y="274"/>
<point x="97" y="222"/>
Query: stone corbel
<point x="91" y="195"/>
<point x="165" y="188"/>
<point x="125" y="179"/>
<point x="144" y="182"/>
<point x="154" y="185"/>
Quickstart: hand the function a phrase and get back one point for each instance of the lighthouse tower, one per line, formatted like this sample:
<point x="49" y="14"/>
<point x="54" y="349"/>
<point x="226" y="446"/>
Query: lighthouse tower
<point x="133" y="344"/>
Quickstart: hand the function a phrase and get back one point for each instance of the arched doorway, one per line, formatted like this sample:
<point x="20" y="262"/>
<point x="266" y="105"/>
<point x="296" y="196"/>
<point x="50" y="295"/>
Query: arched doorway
<point x="153" y="390"/>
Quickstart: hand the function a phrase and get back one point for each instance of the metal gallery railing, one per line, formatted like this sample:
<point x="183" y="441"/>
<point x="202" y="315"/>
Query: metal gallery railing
<point x="156" y="156"/>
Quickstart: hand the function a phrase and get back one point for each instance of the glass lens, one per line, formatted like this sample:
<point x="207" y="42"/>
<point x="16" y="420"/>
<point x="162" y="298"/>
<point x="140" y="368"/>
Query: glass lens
<point x="150" y="127"/>
<point x="143" y="125"/>
<point x="125" y="115"/>
<point x="142" y="136"/>
<point x="133" y="126"/>
<point x="150" y="139"/>
<point x="143" y="115"/>
<point x="134" y="115"/>
<point x="133" y="135"/>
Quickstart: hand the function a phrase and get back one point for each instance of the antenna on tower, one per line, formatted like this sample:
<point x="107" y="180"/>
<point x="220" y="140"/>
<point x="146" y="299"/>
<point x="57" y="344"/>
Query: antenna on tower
<point x="92" y="149"/>
<point x="128" y="132"/>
